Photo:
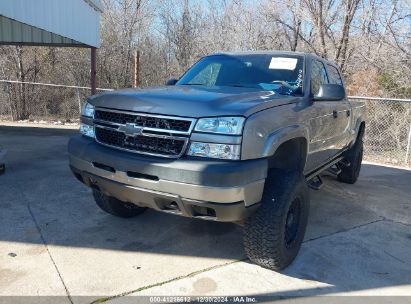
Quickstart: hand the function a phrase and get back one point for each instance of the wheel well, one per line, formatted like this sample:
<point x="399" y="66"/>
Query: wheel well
<point x="290" y="155"/>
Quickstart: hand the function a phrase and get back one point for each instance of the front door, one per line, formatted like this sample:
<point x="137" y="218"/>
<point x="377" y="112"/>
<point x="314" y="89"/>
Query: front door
<point x="344" y="115"/>
<point x="326" y="124"/>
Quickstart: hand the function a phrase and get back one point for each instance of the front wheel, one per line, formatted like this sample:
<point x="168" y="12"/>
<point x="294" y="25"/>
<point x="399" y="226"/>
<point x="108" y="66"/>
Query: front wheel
<point x="273" y="235"/>
<point x="116" y="207"/>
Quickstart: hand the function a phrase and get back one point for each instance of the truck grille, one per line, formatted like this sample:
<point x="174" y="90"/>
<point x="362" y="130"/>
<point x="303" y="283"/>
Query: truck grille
<point x="147" y="144"/>
<point x="141" y="133"/>
<point x="154" y="122"/>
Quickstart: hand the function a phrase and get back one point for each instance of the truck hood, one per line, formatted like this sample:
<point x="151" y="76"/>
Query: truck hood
<point x="192" y="101"/>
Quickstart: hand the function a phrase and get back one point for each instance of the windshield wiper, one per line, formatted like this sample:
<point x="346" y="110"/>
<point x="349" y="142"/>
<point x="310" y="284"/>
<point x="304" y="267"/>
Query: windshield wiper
<point x="287" y="94"/>
<point x="235" y="85"/>
<point x="189" y="84"/>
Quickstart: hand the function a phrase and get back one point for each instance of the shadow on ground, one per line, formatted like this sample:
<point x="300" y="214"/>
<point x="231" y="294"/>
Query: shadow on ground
<point x="359" y="236"/>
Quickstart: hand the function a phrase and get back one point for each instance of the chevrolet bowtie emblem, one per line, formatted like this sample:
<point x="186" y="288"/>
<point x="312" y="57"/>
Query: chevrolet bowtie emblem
<point x="131" y="129"/>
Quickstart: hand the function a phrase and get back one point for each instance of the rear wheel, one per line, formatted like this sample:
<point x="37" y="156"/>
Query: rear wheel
<point x="273" y="235"/>
<point x="351" y="166"/>
<point x="116" y="207"/>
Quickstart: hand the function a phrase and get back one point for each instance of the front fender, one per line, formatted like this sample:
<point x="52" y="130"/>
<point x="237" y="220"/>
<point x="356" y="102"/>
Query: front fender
<point x="277" y="138"/>
<point x="265" y="131"/>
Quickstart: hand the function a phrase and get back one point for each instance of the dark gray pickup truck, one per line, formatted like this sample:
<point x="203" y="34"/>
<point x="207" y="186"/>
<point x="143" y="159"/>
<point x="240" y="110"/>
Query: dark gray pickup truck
<point x="240" y="137"/>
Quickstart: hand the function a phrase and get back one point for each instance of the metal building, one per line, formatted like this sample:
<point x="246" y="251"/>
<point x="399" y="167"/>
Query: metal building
<point x="67" y="23"/>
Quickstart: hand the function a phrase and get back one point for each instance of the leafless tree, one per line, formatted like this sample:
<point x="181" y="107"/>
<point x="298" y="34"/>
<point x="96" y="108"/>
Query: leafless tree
<point x="369" y="39"/>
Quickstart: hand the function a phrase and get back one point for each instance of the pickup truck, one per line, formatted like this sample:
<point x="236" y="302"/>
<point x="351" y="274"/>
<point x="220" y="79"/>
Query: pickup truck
<point x="240" y="137"/>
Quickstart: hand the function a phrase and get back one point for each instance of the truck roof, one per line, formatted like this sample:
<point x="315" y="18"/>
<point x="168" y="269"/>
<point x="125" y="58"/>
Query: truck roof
<point x="274" y="52"/>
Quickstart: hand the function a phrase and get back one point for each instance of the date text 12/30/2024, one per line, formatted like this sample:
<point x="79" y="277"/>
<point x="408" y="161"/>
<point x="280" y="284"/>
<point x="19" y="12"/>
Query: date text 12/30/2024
<point x="221" y="299"/>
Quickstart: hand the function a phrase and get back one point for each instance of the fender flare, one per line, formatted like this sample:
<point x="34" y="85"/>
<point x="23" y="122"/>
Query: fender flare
<point x="358" y="125"/>
<point x="280" y="136"/>
<point x="356" y="130"/>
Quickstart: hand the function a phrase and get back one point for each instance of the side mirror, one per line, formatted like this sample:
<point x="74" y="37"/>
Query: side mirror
<point x="171" y="82"/>
<point x="330" y="92"/>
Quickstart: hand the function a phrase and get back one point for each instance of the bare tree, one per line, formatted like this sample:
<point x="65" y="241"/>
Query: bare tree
<point x="369" y="39"/>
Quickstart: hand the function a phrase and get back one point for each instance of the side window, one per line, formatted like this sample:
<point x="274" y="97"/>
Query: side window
<point x="208" y="76"/>
<point x="318" y="76"/>
<point x="335" y="77"/>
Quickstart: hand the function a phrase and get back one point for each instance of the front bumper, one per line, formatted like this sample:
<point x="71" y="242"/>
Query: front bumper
<point x="212" y="189"/>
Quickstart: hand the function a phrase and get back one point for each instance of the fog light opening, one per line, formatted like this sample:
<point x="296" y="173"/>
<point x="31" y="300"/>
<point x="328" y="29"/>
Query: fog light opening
<point x="211" y="212"/>
<point x="172" y="207"/>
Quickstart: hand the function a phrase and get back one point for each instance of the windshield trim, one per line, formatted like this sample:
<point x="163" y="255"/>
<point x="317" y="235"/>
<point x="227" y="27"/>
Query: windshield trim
<point x="239" y="56"/>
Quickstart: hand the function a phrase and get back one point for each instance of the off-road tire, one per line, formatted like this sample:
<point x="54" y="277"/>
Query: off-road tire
<point x="353" y="157"/>
<point x="265" y="240"/>
<point x="116" y="207"/>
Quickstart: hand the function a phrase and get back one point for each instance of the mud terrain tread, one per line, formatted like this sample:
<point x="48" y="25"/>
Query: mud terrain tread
<point x="349" y="174"/>
<point x="264" y="231"/>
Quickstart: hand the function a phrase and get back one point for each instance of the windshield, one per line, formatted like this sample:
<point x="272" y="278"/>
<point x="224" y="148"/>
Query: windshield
<point x="282" y="74"/>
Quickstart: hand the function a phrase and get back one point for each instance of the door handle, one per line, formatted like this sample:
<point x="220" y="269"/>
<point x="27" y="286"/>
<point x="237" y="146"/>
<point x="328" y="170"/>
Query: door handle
<point x="335" y="114"/>
<point x="348" y="113"/>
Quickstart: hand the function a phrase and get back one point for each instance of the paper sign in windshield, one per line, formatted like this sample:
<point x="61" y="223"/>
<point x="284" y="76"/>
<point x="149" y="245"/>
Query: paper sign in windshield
<point x="283" y="63"/>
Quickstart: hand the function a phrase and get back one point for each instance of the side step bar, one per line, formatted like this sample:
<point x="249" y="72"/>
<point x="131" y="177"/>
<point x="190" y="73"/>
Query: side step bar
<point x="313" y="178"/>
<point x="316" y="172"/>
<point x="335" y="170"/>
<point x="344" y="163"/>
<point x="315" y="183"/>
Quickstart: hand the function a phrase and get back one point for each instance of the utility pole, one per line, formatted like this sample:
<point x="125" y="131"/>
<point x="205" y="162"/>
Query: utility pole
<point x="136" y="69"/>
<point x="93" y="71"/>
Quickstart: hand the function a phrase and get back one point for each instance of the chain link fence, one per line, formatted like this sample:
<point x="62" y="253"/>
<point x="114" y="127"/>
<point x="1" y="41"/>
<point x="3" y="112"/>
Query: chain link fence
<point x="388" y="130"/>
<point x="388" y="125"/>
<point x="41" y="102"/>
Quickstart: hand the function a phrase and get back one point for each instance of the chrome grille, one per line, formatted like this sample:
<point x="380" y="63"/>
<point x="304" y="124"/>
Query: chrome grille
<point x="152" y="122"/>
<point x="157" y="135"/>
<point x="147" y="144"/>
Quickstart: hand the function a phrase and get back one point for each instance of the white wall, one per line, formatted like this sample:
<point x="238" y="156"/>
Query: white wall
<point x="74" y="19"/>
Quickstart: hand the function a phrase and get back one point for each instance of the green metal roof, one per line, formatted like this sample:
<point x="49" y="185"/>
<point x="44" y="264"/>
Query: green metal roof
<point x="15" y="32"/>
<point x="50" y="22"/>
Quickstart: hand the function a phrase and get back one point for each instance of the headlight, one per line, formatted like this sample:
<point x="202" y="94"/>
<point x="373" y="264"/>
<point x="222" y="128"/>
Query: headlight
<point x="88" y="110"/>
<point x="222" y="151"/>
<point x="87" y="130"/>
<point x="222" y="125"/>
